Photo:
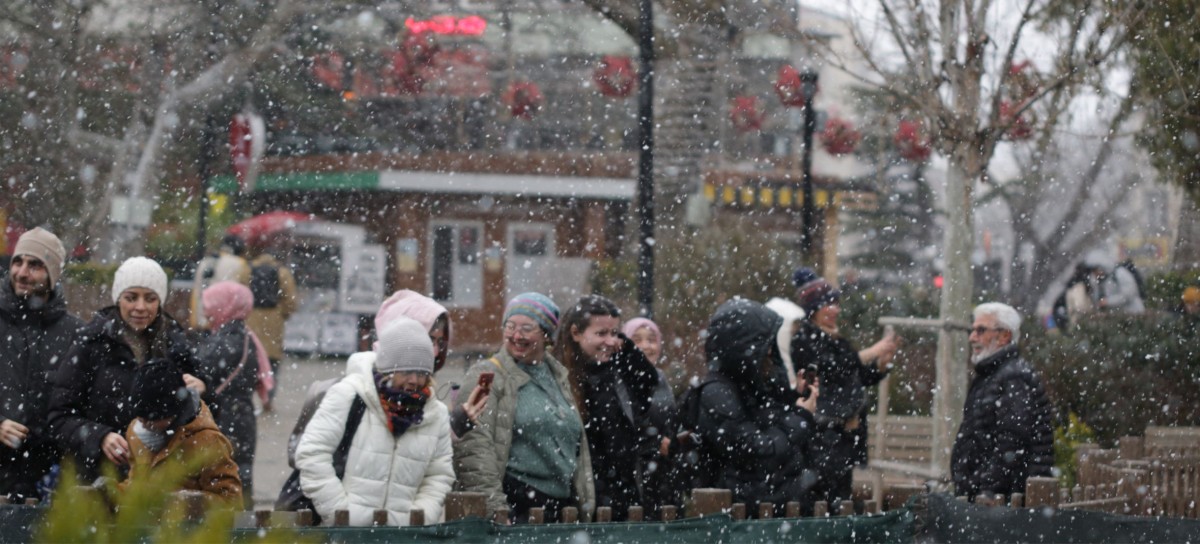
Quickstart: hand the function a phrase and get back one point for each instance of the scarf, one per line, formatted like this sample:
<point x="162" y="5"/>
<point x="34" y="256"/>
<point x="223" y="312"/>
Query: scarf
<point x="403" y="408"/>
<point x="155" y="441"/>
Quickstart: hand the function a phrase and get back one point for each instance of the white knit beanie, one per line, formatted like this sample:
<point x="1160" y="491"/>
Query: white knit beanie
<point x="140" y="272"/>
<point x="404" y="345"/>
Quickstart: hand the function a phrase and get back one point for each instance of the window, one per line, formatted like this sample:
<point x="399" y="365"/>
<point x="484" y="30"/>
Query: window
<point x="456" y="275"/>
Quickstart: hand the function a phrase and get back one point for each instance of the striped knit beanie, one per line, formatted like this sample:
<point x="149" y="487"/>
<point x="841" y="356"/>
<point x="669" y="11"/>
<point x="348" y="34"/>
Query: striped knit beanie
<point x="535" y="306"/>
<point x="812" y="291"/>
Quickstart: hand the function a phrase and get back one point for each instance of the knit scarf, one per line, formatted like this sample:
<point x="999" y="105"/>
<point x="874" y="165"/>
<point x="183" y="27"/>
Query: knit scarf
<point x="403" y="408"/>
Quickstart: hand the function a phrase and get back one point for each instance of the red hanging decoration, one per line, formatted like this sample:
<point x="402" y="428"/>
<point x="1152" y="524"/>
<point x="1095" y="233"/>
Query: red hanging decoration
<point x="745" y="114"/>
<point x="839" y="136"/>
<point x="1019" y="129"/>
<point x="523" y="98"/>
<point x="910" y="143"/>
<point x="789" y="86"/>
<point x="615" y="77"/>
<point x="329" y="69"/>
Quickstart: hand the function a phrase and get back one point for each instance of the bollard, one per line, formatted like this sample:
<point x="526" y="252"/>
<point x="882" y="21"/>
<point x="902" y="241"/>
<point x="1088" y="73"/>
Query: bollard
<point x="670" y="513"/>
<point x="262" y="518"/>
<point x="341" y="518"/>
<point x="416" y="517"/>
<point x="847" y="509"/>
<point x="464" y="504"/>
<point x="304" y="518"/>
<point x="604" y="514"/>
<point x="379" y="518"/>
<point x="707" y="501"/>
<point x="537" y="515"/>
<point x="570" y="514"/>
<point x="1041" y="491"/>
<point x="766" y="510"/>
<point x="792" y="510"/>
<point x="636" y="513"/>
<point x="820" y="509"/>
<point x="738" y="511"/>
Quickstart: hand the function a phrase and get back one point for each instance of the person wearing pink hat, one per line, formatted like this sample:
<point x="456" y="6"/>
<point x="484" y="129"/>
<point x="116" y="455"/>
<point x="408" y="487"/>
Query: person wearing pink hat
<point x="661" y="486"/>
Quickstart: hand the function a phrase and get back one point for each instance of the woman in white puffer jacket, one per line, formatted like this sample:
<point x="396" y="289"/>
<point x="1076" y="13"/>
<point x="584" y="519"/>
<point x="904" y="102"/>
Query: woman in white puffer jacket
<point x="400" y="457"/>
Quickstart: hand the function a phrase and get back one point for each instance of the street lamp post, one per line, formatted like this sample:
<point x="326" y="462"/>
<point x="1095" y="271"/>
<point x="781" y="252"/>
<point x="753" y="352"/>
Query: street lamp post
<point x="808" y="86"/>
<point x="645" y="199"/>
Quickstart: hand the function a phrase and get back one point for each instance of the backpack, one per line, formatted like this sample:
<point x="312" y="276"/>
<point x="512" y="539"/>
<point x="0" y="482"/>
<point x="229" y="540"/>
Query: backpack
<point x="694" y="464"/>
<point x="291" y="497"/>
<point x="264" y="285"/>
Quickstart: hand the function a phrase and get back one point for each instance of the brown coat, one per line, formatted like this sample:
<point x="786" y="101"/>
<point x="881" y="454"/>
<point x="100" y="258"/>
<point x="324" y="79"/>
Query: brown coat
<point x="218" y="480"/>
<point x="267" y="323"/>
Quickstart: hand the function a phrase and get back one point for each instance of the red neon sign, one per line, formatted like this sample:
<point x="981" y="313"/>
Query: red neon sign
<point x="448" y="25"/>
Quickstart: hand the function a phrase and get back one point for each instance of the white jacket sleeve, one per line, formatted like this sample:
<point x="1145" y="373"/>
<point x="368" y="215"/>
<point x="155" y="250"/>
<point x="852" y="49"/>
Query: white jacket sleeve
<point x="314" y="454"/>
<point x="439" y="475"/>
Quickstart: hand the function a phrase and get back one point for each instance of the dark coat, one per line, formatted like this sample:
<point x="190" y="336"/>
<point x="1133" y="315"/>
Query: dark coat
<point x="617" y="401"/>
<point x="662" y="485"/>
<point x="755" y="440"/>
<point x="1007" y="431"/>
<point x="220" y="354"/>
<point x="34" y="340"/>
<point x="91" y="390"/>
<point x="844" y="380"/>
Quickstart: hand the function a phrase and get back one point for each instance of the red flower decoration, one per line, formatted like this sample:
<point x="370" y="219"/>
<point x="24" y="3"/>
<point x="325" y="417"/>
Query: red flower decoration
<point x="789" y="86"/>
<point x="745" y="114"/>
<point x="910" y="143"/>
<point x="523" y="98"/>
<point x="1019" y="128"/>
<point x="615" y="77"/>
<point x="329" y="69"/>
<point x="839" y="136"/>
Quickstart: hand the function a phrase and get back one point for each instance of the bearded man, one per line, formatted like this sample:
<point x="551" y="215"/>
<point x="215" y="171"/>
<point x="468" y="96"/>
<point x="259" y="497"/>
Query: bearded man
<point x="1007" y="431"/>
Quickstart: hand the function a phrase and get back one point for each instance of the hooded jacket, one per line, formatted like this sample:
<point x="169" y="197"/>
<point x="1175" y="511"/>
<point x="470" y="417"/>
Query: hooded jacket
<point x="416" y="306"/>
<point x="90" y="395"/>
<point x="755" y="438"/>
<point x="34" y="341"/>
<point x="1007" y="430"/>
<point x="383" y="471"/>
<point x="268" y="323"/>
<point x="217" y="479"/>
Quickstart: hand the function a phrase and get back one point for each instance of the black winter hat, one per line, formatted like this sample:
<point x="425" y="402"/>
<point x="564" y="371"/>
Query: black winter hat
<point x="159" y="391"/>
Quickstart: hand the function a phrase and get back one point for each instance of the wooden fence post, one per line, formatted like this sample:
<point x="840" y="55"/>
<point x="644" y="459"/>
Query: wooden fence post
<point x="570" y="514"/>
<point x="500" y="516"/>
<point x="636" y="513"/>
<point x="1041" y="491"/>
<point x="846" y="509"/>
<point x="341" y="518"/>
<point x="463" y="504"/>
<point x="738" y="511"/>
<point x="537" y="515"/>
<point x="766" y="510"/>
<point x="416" y="517"/>
<point x="304" y="518"/>
<point x="604" y="514"/>
<point x="379" y="518"/>
<point x="792" y="509"/>
<point x="670" y="512"/>
<point x="1131" y="448"/>
<point x="707" y="501"/>
<point x="820" y="509"/>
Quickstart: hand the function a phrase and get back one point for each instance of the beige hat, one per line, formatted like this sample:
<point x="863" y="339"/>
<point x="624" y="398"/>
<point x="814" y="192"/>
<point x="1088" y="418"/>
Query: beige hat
<point x="44" y="245"/>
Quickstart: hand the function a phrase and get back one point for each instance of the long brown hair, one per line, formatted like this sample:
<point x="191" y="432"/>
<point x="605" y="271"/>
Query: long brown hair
<point x="577" y="318"/>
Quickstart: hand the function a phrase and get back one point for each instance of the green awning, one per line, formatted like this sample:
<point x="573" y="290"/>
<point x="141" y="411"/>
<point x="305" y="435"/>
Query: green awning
<point x="302" y="181"/>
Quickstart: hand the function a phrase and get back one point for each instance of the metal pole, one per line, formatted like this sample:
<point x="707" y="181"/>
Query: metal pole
<point x="645" y="201"/>
<point x="808" y="81"/>
<point x="208" y="152"/>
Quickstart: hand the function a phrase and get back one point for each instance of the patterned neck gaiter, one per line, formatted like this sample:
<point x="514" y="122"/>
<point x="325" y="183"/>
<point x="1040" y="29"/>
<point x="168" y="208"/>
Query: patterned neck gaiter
<point x="403" y="408"/>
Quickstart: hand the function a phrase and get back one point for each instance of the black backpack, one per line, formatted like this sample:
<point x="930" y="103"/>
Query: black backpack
<point x="695" y="463"/>
<point x="264" y="285"/>
<point x="291" y="497"/>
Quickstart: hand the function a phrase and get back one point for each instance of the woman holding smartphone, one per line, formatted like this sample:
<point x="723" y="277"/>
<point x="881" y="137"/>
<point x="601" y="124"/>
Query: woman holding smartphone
<point x="528" y="449"/>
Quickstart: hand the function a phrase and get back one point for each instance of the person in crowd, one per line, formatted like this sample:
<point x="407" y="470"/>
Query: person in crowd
<point x="430" y="314"/>
<point x="1123" y="290"/>
<point x="272" y="308"/>
<point x="793" y="317"/>
<point x="91" y="400"/>
<point x="756" y="432"/>
<point x="36" y="332"/>
<point x="1007" y="432"/>
<point x="1078" y="291"/>
<point x="234" y="358"/>
<point x="400" y="458"/>
<point x="845" y="373"/>
<point x="172" y="425"/>
<point x="228" y="264"/>
<point x="1190" y="302"/>
<point x="529" y="448"/>
<point x="613" y="383"/>
<point x="659" y="483"/>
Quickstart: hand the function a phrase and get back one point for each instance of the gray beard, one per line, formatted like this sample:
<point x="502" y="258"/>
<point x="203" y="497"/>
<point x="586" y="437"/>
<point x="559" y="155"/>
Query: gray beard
<point x="987" y="352"/>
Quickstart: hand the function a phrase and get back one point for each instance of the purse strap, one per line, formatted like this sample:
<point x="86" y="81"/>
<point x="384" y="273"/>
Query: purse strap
<point x="238" y="370"/>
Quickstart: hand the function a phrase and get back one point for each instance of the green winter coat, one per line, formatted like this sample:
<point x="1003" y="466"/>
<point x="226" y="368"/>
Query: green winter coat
<point x="481" y="456"/>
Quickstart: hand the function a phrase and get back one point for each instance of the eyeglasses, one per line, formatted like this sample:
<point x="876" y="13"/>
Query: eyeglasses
<point x="526" y="329"/>
<point x="981" y="330"/>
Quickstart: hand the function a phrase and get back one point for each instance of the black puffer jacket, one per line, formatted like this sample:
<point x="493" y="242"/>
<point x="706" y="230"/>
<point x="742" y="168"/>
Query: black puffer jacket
<point x="617" y="399"/>
<point x="755" y="438"/>
<point x="1007" y="432"/>
<point x="228" y="354"/>
<point x="34" y="338"/>
<point x="90" y="395"/>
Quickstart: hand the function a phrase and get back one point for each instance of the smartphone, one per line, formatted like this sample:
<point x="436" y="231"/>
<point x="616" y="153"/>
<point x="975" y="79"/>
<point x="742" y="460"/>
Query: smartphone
<point x="485" y="381"/>
<point x="809" y="375"/>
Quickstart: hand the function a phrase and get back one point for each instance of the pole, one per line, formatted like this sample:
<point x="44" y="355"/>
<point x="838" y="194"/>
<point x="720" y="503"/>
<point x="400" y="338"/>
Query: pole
<point x="208" y="152"/>
<point x="645" y="200"/>
<point x="808" y="81"/>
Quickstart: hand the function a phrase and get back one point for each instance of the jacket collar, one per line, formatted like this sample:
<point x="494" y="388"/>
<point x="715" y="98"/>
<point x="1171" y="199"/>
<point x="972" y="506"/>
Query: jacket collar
<point x="996" y="360"/>
<point x="14" y="308"/>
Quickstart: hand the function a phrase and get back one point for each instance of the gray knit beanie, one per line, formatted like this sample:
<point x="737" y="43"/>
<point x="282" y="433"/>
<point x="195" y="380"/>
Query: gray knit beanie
<point x="404" y="345"/>
<point x="140" y="272"/>
<point x="45" y="246"/>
